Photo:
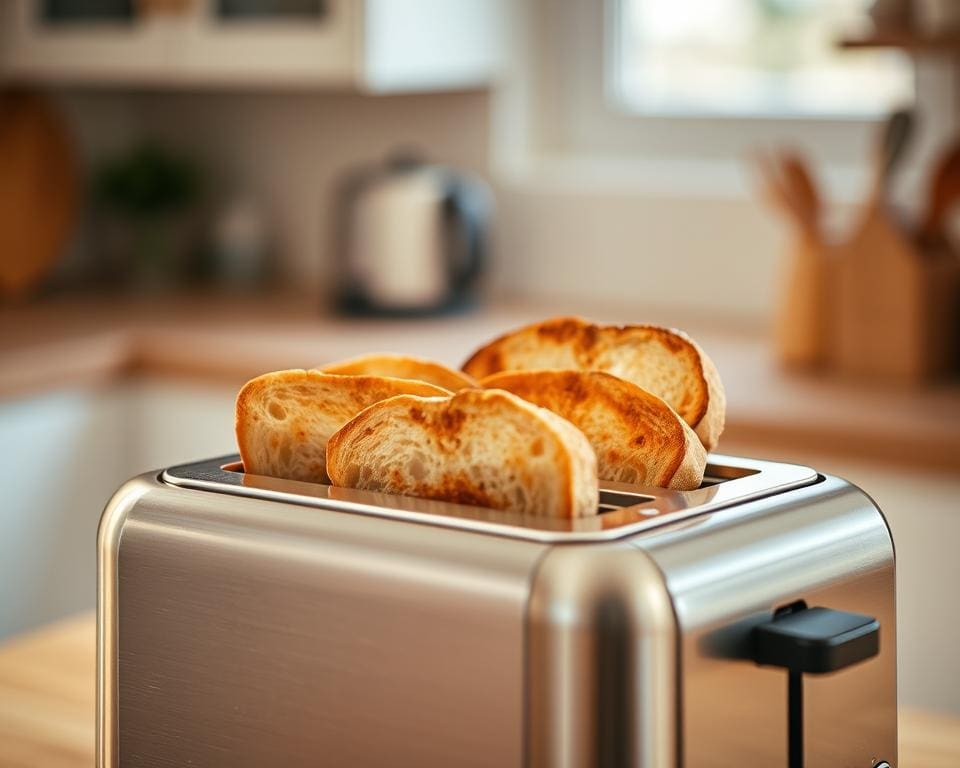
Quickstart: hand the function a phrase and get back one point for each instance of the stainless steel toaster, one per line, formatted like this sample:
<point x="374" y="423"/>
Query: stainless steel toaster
<point x="249" y="621"/>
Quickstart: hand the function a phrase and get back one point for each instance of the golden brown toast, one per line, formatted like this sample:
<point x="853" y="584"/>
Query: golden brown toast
<point x="665" y="362"/>
<point x="481" y="447"/>
<point x="636" y="436"/>
<point x="402" y="367"/>
<point x="285" y="418"/>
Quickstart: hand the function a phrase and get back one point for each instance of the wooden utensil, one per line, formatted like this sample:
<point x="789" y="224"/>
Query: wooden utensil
<point x="38" y="191"/>
<point x="803" y="320"/>
<point x="943" y="194"/>
<point x="788" y="185"/>
<point x="888" y="151"/>
<point x="807" y="204"/>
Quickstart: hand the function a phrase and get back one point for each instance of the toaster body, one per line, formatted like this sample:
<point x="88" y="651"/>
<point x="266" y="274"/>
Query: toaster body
<point x="249" y="621"/>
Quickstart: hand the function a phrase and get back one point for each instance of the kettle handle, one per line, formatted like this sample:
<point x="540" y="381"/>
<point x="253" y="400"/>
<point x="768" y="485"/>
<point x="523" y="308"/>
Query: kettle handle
<point x="466" y="208"/>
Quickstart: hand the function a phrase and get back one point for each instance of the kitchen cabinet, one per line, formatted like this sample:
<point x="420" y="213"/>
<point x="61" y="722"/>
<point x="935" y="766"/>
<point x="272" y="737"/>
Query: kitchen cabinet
<point x="378" y="46"/>
<point x="63" y="454"/>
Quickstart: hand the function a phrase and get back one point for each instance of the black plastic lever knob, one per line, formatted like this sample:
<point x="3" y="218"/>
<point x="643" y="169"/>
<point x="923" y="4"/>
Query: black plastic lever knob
<point x="816" y="640"/>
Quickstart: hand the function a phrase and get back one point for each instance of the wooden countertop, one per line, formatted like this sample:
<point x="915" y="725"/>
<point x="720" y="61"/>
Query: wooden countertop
<point x="47" y="705"/>
<point x="58" y="343"/>
<point x="47" y="696"/>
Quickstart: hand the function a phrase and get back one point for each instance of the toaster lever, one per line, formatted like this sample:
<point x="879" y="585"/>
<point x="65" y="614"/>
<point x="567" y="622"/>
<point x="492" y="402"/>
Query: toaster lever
<point x="812" y="641"/>
<point x="816" y="640"/>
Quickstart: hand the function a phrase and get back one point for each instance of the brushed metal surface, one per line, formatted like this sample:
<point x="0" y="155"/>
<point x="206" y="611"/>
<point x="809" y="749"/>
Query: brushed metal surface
<point x="602" y="662"/>
<point x="630" y="508"/>
<point x="108" y="544"/>
<point x="254" y="633"/>
<point x="825" y="544"/>
<point x="283" y="625"/>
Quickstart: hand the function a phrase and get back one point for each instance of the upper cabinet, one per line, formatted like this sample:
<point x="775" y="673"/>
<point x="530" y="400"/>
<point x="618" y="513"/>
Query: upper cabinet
<point x="380" y="46"/>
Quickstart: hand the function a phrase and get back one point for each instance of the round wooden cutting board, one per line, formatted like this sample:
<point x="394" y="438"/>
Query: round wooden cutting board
<point x="38" y="192"/>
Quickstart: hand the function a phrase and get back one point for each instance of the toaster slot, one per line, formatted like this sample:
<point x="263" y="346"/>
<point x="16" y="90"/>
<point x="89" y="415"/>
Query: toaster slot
<point x="611" y="500"/>
<point x="624" y="509"/>
<point x="714" y="474"/>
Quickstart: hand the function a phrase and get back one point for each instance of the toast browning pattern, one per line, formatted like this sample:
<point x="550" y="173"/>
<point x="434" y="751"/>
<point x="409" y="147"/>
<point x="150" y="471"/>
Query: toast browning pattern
<point x="402" y="367"/>
<point x="284" y="419"/>
<point x="665" y="362"/>
<point x="637" y="437"/>
<point x="482" y="447"/>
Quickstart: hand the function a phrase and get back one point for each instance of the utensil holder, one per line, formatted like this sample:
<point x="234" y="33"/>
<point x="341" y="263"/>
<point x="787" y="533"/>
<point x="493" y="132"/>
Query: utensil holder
<point x="802" y="329"/>
<point x="895" y="305"/>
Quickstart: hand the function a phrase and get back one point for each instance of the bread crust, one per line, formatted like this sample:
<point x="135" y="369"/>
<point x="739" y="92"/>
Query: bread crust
<point x="435" y="442"/>
<point x="636" y="436"/>
<point x="284" y="418"/>
<point x="402" y="367"/>
<point x="638" y="353"/>
<point x="711" y="424"/>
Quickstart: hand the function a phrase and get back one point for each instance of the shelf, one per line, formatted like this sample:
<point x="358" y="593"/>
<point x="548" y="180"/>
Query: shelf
<point x="914" y="42"/>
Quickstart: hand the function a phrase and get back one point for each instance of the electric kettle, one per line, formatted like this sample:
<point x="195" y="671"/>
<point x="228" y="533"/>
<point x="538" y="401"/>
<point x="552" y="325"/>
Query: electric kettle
<point x="412" y="239"/>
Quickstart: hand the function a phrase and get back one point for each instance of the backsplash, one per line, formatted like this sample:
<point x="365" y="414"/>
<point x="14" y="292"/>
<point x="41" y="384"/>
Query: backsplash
<point x="287" y="150"/>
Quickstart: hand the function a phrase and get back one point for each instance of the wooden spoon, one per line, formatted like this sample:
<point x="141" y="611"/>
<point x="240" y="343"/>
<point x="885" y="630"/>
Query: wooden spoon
<point x="943" y="194"/>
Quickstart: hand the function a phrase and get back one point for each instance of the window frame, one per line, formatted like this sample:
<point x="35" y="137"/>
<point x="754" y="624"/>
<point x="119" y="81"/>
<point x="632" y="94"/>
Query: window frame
<point x="554" y="118"/>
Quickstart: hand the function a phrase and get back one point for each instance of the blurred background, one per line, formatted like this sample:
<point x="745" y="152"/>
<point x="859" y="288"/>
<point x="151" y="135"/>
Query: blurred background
<point x="193" y="192"/>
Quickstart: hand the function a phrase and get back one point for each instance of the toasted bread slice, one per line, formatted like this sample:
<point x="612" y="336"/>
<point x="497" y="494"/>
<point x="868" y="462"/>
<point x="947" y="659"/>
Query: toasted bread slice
<point x="482" y="447"/>
<point x="664" y="362"/>
<point x="637" y="437"/>
<point x="403" y="367"/>
<point x="285" y="418"/>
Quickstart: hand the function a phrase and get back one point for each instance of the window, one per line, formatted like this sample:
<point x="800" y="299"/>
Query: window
<point x="767" y="58"/>
<point x="580" y="113"/>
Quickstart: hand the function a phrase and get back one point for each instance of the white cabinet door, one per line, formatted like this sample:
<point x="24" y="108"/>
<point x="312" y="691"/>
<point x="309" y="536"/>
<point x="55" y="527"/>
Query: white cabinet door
<point x="61" y="457"/>
<point x="173" y="422"/>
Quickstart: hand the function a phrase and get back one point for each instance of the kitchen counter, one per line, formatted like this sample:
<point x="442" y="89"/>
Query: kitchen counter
<point x="54" y="344"/>
<point x="47" y="705"/>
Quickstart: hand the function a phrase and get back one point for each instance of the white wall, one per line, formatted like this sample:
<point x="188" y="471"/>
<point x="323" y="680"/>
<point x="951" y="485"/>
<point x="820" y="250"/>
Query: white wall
<point x="621" y="245"/>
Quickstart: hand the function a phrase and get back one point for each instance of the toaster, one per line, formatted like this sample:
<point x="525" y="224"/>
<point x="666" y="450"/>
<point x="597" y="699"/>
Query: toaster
<point x="250" y="621"/>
